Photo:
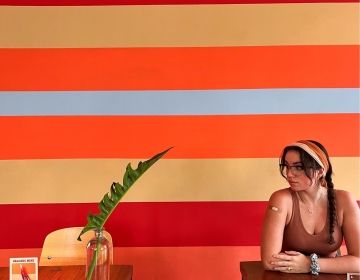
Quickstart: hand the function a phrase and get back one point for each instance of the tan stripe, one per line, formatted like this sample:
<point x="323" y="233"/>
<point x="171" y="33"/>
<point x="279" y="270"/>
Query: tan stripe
<point x="182" y="25"/>
<point x="49" y="181"/>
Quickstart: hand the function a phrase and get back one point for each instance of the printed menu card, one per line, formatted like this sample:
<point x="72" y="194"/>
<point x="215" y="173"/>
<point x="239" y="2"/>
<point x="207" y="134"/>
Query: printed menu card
<point x="24" y="268"/>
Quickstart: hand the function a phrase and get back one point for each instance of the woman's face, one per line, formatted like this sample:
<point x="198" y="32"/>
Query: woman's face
<point x="295" y="173"/>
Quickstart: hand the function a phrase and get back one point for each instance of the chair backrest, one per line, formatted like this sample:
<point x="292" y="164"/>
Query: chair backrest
<point x="61" y="247"/>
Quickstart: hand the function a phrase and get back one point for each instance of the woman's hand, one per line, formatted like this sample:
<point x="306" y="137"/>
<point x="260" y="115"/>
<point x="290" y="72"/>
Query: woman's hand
<point x="291" y="262"/>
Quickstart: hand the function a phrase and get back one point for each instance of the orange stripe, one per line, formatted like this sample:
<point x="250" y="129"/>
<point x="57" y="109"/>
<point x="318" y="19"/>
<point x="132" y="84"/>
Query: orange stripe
<point x="215" y="262"/>
<point x="178" y="263"/>
<point x="180" y="68"/>
<point x="6" y="254"/>
<point x="192" y="136"/>
<point x="175" y="263"/>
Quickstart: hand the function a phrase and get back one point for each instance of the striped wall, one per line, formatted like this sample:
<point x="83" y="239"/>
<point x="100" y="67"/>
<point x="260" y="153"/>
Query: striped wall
<point x="87" y="86"/>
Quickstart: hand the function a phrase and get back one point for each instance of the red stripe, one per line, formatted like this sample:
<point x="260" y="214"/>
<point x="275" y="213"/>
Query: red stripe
<point x="180" y="68"/>
<point x="140" y="224"/>
<point x="155" y="2"/>
<point x="243" y="136"/>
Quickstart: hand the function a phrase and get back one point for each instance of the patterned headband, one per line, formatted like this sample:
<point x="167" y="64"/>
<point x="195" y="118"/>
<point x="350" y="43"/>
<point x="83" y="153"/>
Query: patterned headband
<point x="315" y="152"/>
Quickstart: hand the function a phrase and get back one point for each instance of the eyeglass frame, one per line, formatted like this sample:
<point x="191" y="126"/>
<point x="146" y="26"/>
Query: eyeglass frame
<point x="294" y="169"/>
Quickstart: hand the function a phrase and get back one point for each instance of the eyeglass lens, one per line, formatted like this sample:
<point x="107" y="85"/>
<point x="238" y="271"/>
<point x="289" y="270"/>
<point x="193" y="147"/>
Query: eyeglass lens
<point x="294" y="169"/>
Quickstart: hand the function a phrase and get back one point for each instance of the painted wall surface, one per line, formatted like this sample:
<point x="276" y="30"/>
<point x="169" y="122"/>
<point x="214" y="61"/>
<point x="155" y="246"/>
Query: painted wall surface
<point x="88" y="86"/>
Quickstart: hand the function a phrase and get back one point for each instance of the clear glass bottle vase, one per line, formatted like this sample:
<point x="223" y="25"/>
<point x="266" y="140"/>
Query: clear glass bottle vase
<point x="98" y="257"/>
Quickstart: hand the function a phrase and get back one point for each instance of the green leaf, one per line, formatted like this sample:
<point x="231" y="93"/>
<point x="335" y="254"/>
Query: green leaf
<point x="117" y="191"/>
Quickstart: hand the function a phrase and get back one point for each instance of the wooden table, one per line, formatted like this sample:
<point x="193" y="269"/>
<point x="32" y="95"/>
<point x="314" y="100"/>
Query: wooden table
<point x="254" y="271"/>
<point x="73" y="272"/>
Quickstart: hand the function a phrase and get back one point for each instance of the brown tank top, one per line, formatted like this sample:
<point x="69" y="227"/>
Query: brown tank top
<point x="296" y="238"/>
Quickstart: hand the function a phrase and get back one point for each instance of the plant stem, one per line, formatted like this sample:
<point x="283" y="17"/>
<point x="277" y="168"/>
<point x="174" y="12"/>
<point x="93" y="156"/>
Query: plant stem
<point x="94" y="260"/>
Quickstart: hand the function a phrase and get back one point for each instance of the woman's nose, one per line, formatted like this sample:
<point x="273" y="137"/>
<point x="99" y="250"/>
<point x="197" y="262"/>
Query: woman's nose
<point x="289" y="172"/>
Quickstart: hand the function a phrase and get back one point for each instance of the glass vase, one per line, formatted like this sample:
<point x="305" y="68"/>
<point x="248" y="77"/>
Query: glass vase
<point x="98" y="257"/>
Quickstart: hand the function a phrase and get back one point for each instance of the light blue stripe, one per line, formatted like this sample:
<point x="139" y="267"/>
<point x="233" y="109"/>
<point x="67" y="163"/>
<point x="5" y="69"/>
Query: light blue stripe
<point x="178" y="102"/>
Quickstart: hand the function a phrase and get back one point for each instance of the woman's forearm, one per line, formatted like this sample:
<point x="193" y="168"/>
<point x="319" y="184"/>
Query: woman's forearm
<point x="341" y="264"/>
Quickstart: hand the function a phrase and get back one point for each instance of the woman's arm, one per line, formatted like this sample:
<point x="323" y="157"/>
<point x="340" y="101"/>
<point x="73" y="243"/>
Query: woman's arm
<point x="351" y="229"/>
<point x="273" y="226"/>
<point x="349" y="220"/>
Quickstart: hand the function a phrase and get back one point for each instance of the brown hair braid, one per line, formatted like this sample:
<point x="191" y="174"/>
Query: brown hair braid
<point x="330" y="193"/>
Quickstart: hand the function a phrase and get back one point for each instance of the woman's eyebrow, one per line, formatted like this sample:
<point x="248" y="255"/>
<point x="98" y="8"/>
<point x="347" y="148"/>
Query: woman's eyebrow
<point x="297" y="162"/>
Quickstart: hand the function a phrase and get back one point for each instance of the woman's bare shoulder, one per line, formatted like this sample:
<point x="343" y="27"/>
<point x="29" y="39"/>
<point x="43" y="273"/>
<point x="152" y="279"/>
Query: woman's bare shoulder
<point x="346" y="205"/>
<point x="281" y="194"/>
<point x="347" y="209"/>
<point x="344" y="197"/>
<point x="281" y="197"/>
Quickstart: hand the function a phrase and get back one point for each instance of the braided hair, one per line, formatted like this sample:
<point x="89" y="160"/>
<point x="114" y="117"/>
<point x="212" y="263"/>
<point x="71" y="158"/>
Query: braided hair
<point x="330" y="193"/>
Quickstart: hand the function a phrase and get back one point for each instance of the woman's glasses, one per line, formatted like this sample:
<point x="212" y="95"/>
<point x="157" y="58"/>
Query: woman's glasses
<point x="295" y="170"/>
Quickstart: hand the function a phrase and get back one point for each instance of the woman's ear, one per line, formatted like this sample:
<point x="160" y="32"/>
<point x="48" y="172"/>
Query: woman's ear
<point x="321" y="173"/>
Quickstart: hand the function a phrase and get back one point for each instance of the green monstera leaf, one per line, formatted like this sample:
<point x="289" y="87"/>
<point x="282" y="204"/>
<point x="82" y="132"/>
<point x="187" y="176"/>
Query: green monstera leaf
<point x="111" y="199"/>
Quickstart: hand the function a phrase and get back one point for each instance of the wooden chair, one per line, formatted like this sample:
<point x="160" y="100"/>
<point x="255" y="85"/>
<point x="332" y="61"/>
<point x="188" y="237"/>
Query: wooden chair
<point x="61" y="247"/>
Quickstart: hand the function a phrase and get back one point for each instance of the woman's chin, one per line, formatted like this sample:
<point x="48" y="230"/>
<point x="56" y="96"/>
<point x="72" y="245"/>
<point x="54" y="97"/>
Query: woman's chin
<point x="294" y="186"/>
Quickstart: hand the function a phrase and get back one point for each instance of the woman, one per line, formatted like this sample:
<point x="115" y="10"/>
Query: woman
<point x="306" y="223"/>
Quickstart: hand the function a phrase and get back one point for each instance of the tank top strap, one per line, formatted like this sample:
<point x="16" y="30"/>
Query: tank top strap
<point x="295" y="214"/>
